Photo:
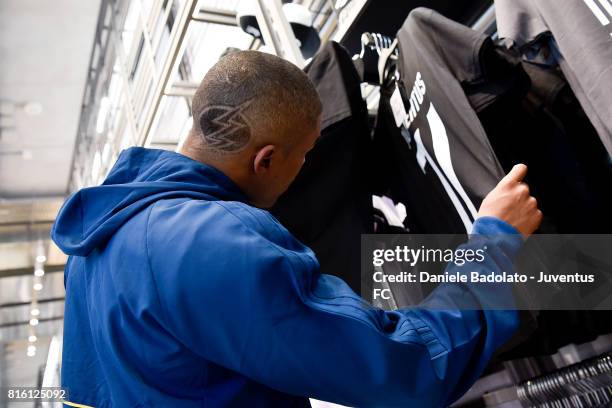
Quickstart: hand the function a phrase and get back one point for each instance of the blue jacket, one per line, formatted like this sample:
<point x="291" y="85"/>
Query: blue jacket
<point x="180" y="294"/>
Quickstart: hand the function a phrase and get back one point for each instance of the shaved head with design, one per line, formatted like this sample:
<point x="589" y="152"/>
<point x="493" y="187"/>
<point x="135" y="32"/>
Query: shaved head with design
<point x="251" y="94"/>
<point x="251" y="114"/>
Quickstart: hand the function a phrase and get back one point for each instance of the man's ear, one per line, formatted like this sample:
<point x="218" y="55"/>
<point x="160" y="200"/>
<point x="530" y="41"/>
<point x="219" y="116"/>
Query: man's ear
<point x="263" y="159"/>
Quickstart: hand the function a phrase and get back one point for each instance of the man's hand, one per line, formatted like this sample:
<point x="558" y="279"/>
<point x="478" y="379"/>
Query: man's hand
<point x="510" y="201"/>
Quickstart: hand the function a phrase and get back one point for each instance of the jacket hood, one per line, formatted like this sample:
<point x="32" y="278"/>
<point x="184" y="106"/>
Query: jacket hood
<point x="90" y="217"/>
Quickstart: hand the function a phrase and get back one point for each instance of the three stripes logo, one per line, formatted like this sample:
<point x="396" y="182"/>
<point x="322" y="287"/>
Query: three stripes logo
<point x="601" y="9"/>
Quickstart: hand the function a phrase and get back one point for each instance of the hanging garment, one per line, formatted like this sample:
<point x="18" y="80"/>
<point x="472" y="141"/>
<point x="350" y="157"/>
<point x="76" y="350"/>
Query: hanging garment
<point x="436" y="56"/>
<point x="439" y="164"/>
<point x="581" y="44"/>
<point x="476" y="111"/>
<point x="329" y="205"/>
<point x="463" y="75"/>
<point x="569" y="170"/>
<point x="534" y="118"/>
<point x="455" y="86"/>
<point x="411" y="179"/>
<point x="517" y="112"/>
<point x="408" y="175"/>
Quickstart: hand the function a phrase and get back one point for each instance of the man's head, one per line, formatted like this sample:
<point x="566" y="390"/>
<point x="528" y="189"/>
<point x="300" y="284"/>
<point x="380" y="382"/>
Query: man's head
<point x="255" y="116"/>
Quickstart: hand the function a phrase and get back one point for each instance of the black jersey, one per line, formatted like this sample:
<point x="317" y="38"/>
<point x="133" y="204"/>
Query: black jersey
<point x="328" y="206"/>
<point x="576" y="35"/>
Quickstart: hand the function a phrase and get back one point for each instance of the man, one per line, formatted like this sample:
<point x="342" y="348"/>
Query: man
<point x="180" y="292"/>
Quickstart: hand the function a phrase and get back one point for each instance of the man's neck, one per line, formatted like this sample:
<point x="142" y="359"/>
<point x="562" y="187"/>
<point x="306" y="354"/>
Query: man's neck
<point x="195" y="152"/>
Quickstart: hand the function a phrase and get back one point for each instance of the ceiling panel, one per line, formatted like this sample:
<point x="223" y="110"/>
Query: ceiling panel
<point x="44" y="49"/>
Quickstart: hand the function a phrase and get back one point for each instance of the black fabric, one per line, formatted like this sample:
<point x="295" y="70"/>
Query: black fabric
<point x="446" y="54"/>
<point x="334" y="75"/>
<point x="401" y="177"/>
<point x="535" y="119"/>
<point x="496" y="112"/>
<point x="436" y="56"/>
<point x="328" y="206"/>
<point x="573" y="36"/>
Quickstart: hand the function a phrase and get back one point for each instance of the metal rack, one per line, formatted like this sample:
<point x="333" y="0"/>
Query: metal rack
<point x="147" y="61"/>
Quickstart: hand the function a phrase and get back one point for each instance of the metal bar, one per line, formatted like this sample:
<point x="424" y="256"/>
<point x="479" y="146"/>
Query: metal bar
<point x="347" y="17"/>
<point x="176" y="39"/>
<point x="22" y="234"/>
<point x="328" y="27"/>
<point x="188" y="93"/>
<point x="276" y="31"/>
<point x="39" y="301"/>
<point x="185" y="84"/>
<point x="27" y="322"/>
<point x="87" y="91"/>
<point x="31" y="199"/>
<point x="148" y="45"/>
<point x="130" y="113"/>
<point x="26" y="223"/>
<point x="264" y="27"/>
<point x="156" y="9"/>
<point x="6" y="273"/>
<point x="214" y="16"/>
<point x="214" y="19"/>
<point x="141" y="86"/>
<point x="486" y="20"/>
<point x="158" y="35"/>
<point x="213" y="10"/>
<point x="164" y="144"/>
<point x="182" y="88"/>
<point x="135" y="52"/>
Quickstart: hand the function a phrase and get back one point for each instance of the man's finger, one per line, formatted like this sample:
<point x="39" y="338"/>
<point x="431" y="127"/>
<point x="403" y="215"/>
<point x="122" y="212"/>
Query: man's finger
<point x="517" y="174"/>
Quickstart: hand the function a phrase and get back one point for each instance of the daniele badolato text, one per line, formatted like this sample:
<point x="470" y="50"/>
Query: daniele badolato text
<point x="421" y="257"/>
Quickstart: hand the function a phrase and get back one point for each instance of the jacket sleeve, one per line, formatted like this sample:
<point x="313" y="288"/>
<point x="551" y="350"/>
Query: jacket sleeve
<point x="260" y="308"/>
